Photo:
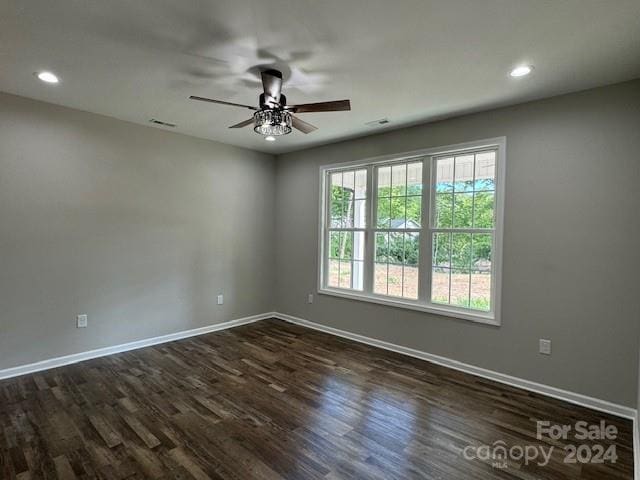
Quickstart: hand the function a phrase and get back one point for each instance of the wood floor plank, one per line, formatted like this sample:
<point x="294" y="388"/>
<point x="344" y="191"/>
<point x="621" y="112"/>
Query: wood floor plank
<point x="110" y="436"/>
<point x="63" y="468"/>
<point x="149" y="439"/>
<point x="276" y="401"/>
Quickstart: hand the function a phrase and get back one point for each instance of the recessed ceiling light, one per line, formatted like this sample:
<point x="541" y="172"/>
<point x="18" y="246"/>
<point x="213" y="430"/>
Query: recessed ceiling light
<point x="270" y="138"/>
<point x="521" y="71"/>
<point x="47" y="77"/>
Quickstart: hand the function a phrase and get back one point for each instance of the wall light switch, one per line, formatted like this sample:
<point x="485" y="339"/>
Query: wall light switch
<point x="220" y="299"/>
<point x="545" y="346"/>
<point x="310" y="298"/>
<point x="81" y="321"/>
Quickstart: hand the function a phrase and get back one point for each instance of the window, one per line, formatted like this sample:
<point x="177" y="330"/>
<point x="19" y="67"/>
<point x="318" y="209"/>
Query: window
<point x="419" y="230"/>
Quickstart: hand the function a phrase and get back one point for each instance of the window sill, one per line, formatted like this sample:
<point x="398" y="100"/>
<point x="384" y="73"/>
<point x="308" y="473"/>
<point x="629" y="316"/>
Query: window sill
<point x="478" y="317"/>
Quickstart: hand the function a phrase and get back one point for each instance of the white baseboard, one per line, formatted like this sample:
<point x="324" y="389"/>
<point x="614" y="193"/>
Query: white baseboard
<point x="101" y="352"/>
<point x="571" y="397"/>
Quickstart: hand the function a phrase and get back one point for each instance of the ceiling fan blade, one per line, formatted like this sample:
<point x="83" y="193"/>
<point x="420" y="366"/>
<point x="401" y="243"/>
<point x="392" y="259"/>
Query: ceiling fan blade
<point x="210" y="100"/>
<point x="242" y="124"/>
<point x="301" y="125"/>
<point x="272" y="83"/>
<point x="334" y="106"/>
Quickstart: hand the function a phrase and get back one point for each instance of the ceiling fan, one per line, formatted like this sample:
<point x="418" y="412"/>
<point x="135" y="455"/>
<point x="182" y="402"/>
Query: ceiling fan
<point x="274" y="117"/>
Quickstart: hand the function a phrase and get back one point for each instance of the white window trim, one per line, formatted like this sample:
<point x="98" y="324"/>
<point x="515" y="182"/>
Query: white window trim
<point x="490" y="318"/>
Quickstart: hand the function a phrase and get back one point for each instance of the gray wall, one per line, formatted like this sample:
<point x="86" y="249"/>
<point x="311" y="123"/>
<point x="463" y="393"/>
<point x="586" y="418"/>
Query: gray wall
<point x="136" y="227"/>
<point x="572" y="229"/>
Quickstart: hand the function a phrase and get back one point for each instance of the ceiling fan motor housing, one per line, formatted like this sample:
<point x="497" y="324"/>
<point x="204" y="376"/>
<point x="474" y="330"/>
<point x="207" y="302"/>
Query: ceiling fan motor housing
<point x="264" y="104"/>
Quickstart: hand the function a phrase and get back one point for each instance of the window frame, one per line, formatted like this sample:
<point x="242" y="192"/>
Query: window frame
<point x="423" y="303"/>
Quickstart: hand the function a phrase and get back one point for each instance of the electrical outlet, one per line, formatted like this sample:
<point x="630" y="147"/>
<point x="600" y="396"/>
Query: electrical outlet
<point x="545" y="346"/>
<point x="81" y="321"/>
<point x="220" y="299"/>
<point x="310" y="298"/>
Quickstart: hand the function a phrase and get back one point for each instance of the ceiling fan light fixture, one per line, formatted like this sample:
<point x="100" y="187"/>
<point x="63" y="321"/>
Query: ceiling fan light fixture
<point x="272" y="122"/>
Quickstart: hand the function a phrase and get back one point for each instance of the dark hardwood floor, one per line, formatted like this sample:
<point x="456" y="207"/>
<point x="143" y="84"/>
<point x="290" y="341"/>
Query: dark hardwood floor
<point x="276" y="401"/>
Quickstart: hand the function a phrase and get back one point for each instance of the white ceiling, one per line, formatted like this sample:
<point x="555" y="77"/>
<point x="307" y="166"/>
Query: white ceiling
<point x="407" y="60"/>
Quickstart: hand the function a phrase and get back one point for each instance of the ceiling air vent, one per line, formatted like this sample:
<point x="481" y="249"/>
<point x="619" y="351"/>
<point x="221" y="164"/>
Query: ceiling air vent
<point x="164" y="124"/>
<point x="375" y="123"/>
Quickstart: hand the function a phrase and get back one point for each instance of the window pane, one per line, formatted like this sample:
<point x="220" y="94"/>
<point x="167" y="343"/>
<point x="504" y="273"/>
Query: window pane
<point x="410" y="273"/>
<point x="337" y="195"/>
<point x="347" y="217"/>
<point x="384" y="181"/>
<point x="382" y="247"/>
<point x="336" y="209"/>
<point x="336" y="180"/>
<point x="399" y="276"/>
<point x="358" y="245"/>
<point x="441" y="244"/>
<point x="360" y="213"/>
<point x="345" y="274"/>
<point x="410" y="282"/>
<point x="462" y="210"/>
<point x="414" y="178"/>
<point x="464" y="173"/>
<point x="345" y="186"/>
<point x="395" y="280"/>
<point x="444" y="174"/>
<point x="398" y="212"/>
<point x="461" y="251"/>
<point x="396" y="247"/>
<point x="334" y="245"/>
<point x="460" y="288"/>
<point x="483" y="209"/>
<point x="481" y="255"/>
<point x="346" y="269"/>
<point x="349" y="182"/>
<point x="346" y="245"/>
<point x="361" y="184"/>
<point x="481" y="291"/>
<point x="384" y="212"/>
<point x="440" y="285"/>
<point x="481" y="274"/>
<point x="411" y="248"/>
<point x="414" y="206"/>
<point x="357" y="275"/>
<point x="485" y="171"/>
<point x="333" y="273"/>
<point x="380" y="283"/>
<point x="399" y="179"/>
<point x="444" y="210"/>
